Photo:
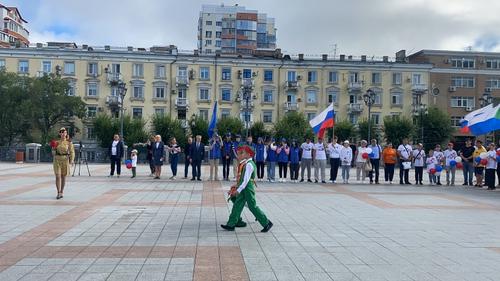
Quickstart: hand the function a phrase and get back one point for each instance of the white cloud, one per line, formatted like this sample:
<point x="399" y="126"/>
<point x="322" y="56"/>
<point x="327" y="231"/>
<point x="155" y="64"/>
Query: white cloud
<point x="371" y="27"/>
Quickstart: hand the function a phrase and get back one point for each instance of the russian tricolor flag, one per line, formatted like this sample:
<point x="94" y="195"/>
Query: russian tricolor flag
<point x="325" y="120"/>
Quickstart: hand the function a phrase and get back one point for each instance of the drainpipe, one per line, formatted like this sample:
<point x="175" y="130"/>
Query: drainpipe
<point x="171" y="84"/>
<point x="279" y="87"/>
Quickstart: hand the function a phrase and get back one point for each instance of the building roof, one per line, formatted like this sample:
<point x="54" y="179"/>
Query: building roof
<point x="453" y="53"/>
<point x="16" y="10"/>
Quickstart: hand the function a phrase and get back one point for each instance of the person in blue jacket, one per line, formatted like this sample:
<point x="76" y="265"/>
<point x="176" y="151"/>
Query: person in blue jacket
<point x="260" y="157"/>
<point x="227" y="156"/>
<point x="294" y="161"/>
<point x="283" y="152"/>
<point x="271" y="159"/>
<point x="215" y="147"/>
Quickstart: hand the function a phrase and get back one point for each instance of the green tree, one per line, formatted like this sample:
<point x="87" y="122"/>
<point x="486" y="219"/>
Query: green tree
<point x="14" y="122"/>
<point x="51" y="106"/>
<point x="363" y="130"/>
<point x="437" y="127"/>
<point x="199" y="126"/>
<point x="344" y="130"/>
<point x="397" y="128"/>
<point x="258" y="129"/>
<point x="133" y="130"/>
<point x="104" y="128"/>
<point x="167" y="127"/>
<point x="293" y="125"/>
<point x="229" y="124"/>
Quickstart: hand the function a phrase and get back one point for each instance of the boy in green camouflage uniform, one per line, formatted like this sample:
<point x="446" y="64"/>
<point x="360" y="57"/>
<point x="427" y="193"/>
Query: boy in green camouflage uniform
<point x="244" y="192"/>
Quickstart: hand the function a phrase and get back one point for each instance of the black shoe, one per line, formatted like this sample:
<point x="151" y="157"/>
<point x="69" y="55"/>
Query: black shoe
<point x="267" y="227"/>
<point x="401" y="182"/>
<point x="132" y="177"/>
<point x="323" y="181"/>
<point x="301" y="180"/>
<point x="199" y="179"/>
<point x="227" y="227"/>
<point x="438" y="183"/>
<point x="309" y="180"/>
<point x="377" y="182"/>
<point x="421" y="183"/>
<point x="465" y="184"/>
<point x="156" y="178"/>
<point x="408" y="183"/>
<point x="241" y="224"/>
<point x="315" y="181"/>
<point x="193" y="179"/>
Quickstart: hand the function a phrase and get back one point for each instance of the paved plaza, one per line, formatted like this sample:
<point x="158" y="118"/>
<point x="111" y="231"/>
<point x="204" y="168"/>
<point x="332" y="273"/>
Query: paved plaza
<point x="144" y="229"/>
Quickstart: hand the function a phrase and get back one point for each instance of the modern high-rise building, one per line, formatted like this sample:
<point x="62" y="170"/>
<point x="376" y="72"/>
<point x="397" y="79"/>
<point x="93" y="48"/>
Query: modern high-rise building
<point x="14" y="31"/>
<point x="234" y="30"/>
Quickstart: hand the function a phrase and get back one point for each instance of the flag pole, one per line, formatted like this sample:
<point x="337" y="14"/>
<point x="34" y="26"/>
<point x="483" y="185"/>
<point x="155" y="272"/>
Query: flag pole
<point x="333" y="129"/>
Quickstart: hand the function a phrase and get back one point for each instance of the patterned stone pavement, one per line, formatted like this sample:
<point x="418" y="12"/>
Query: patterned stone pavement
<point x="145" y="229"/>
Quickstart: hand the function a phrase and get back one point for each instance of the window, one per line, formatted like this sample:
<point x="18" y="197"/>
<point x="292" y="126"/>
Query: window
<point x="71" y="89"/>
<point x="226" y="94"/>
<point x="91" y="111"/>
<point x="268" y="96"/>
<point x="396" y="78"/>
<point x="247" y="73"/>
<point x="225" y="113"/>
<point x="115" y="68"/>
<point x="312" y="76"/>
<point x="292" y="76"/>
<point x="493" y="83"/>
<point x="462" y="63"/>
<point x="218" y="43"/>
<point x="203" y="114"/>
<point x="24" y="66"/>
<point x="332" y="96"/>
<point x="376" y="118"/>
<point x="138" y="92"/>
<point x="353" y="77"/>
<point x="92" y="69"/>
<point x="462" y="81"/>
<point x="246" y="117"/>
<point x="416" y="79"/>
<point x="311" y="96"/>
<point x="378" y="96"/>
<point x="182" y="71"/>
<point x="311" y="115"/>
<point x="204" y="94"/>
<point x="333" y="77"/>
<point x="462" y="102"/>
<point x="268" y="75"/>
<point x="208" y="22"/>
<point x="47" y="67"/>
<point x="90" y="132"/>
<point x="493" y="64"/>
<point x="267" y="116"/>
<point x="353" y="118"/>
<point x="455" y="121"/>
<point x="204" y="73"/>
<point x="218" y="34"/>
<point x="376" y="78"/>
<point x="208" y="34"/>
<point x="208" y="42"/>
<point x="137" y="70"/>
<point x="2" y="64"/>
<point x="218" y="23"/>
<point x="92" y="89"/>
<point x="397" y="98"/>
<point x="160" y="71"/>
<point x="69" y="68"/>
<point x="226" y="74"/>
<point x="136" y="112"/>
<point x="160" y="111"/>
<point x="159" y="92"/>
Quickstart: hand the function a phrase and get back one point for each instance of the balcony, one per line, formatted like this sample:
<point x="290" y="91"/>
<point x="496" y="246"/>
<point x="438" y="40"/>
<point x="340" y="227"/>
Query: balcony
<point x="247" y="83"/>
<point x="291" y="106"/>
<point x="114" y="78"/>
<point x="354" y="87"/>
<point x="181" y="103"/>
<point x="182" y="81"/>
<point x="243" y="104"/>
<point x="184" y="123"/>
<point x="419" y="88"/>
<point x="113" y="102"/>
<point x="291" y="85"/>
<point x="354" y="108"/>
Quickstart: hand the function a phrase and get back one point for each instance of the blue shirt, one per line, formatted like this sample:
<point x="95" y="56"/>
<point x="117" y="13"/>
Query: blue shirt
<point x="376" y="151"/>
<point x="235" y="147"/>
<point x="259" y="152"/>
<point x="294" y="154"/>
<point x="215" y="151"/>
<point x="227" y="151"/>
<point x="282" y="157"/>
<point x="271" y="155"/>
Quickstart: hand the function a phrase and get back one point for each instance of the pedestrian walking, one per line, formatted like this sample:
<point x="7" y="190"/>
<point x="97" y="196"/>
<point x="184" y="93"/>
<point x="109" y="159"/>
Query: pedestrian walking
<point x="158" y="155"/>
<point x="390" y="158"/>
<point x="334" y="153"/>
<point x="63" y="153"/>
<point x="306" y="160"/>
<point x="346" y="159"/>
<point x="115" y="152"/>
<point x="173" y="152"/>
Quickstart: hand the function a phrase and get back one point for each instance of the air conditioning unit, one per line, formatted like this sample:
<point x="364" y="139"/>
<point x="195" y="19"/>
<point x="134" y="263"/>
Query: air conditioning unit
<point x="469" y="108"/>
<point x="452" y="89"/>
<point x="488" y="89"/>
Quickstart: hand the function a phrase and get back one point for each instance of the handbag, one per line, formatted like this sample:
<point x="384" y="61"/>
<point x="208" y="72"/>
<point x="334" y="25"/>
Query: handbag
<point x="406" y="165"/>
<point x="368" y="166"/>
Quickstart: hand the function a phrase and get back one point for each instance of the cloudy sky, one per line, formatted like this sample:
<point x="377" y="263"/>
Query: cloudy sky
<point x="357" y="27"/>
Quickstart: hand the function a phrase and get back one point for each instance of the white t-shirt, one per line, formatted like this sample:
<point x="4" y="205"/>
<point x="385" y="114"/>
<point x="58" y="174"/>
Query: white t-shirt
<point x="431" y="163"/>
<point x="439" y="157"/>
<point x="492" y="160"/>
<point x="419" y="155"/>
<point x="307" y="150"/>
<point x="134" y="160"/>
<point x="320" y="151"/>
<point x="334" y="150"/>
<point x="359" y="157"/>
<point x="449" y="155"/>
<point x="113" y="148"/>
<point x="345" y="156"/>
<point x="405" y="151"/>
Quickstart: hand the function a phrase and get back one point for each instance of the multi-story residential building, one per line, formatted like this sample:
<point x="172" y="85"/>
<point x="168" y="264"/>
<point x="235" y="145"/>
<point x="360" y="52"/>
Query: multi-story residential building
<point x="14" y="31"/>
<point x="163" y="81"/>
<point x="233" y="29"/>
<point x="461" y="81"/>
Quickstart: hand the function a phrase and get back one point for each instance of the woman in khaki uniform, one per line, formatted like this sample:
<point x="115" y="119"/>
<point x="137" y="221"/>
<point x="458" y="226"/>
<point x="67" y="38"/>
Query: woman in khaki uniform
<point x="63" y="153"/>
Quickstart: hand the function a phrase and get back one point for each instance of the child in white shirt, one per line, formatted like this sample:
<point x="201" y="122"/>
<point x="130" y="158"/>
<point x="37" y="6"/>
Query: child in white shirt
<point x="345" y="161"/>
<point x="133" y="157"/>
<point x="431" y="162"/>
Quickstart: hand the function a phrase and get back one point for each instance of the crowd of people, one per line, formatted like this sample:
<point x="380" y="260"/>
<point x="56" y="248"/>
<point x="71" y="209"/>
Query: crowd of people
<point x="307" y="161"/>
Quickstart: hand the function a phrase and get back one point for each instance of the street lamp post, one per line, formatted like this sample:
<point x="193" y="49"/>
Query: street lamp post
<point x="246" y="90"/>
<point x="369" y="99"/>
<point x="122" y="91"/>
<point x="419" y="109"/>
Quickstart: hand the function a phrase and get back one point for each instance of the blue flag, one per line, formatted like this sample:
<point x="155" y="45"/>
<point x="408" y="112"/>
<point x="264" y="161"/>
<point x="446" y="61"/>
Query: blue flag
<point x="213" y="121"/>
